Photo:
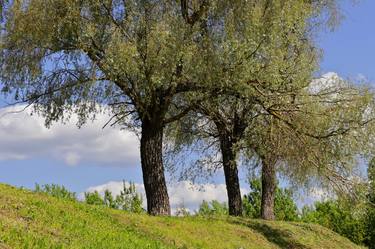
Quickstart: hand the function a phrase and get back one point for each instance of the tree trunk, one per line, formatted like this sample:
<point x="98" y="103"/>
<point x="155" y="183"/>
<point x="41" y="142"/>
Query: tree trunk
<point x="231" y="176"/>
<point x="268" y="190"/>
<point x="153" y="169"/>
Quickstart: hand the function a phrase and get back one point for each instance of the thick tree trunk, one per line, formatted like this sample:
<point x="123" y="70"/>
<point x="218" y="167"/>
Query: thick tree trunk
<point x="153" y="169"/>
<point x="231" y="176"/>
<point x="268" y="190"/>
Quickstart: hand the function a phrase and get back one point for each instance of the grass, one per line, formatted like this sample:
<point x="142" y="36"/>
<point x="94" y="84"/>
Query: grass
<point x="30" y="220"/>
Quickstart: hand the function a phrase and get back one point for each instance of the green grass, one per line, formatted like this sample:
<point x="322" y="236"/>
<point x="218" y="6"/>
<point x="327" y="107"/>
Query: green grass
<point x="30" y="220"/>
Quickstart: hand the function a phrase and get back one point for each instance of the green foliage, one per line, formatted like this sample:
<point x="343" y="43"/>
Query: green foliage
<point x="285" y="207"/>
<point x="212" y="208"/>
<point x="338" y="215"/>
<point x="370" y="207"/>
<point x="352" y="218"/>
<point x="371" y="181"/>
<point x="252" y="201"/>
<point x="370" y="226"/>
<point x="108" y="199"/>
<point x="93" y="198"/>
<point x="128" y="199"/>
<point x="55" y="191"/>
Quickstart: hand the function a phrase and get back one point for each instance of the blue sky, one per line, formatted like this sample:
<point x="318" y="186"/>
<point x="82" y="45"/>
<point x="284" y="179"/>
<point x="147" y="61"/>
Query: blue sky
<point x="44" y="158"/>
<point x="349" y="50"/>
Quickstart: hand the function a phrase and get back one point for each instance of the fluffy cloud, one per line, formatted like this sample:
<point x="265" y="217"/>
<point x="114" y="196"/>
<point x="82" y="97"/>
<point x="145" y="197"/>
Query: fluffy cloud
<point x="312" y="195"/>
<point x="181" y="193"/>
<point x="327" y="82"/>
<point x="25" y="137"/>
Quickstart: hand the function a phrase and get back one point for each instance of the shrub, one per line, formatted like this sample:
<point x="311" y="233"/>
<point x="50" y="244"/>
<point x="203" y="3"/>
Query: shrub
<point x="213" y="208"/>
<point x="94" y="198"/>
<point x="128" y="199"/>
<point x="340" y="216"/>
<point x="55" y="191"/>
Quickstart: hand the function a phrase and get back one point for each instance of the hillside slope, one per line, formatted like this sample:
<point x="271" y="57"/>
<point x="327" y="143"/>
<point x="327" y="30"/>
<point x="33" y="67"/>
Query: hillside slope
<point x="29" y="220"/>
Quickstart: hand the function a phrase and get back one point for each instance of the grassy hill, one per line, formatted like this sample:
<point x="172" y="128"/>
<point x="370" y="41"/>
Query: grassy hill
<point x="29" y="220"/>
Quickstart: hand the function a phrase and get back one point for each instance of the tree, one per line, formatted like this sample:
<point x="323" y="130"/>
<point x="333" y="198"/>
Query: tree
<point x="293" y="115"/>
<point x="212" y="208"/>
<point x="147" y="62"/>
<point x="282" y="68"/>
<point x="285" y="207"/>
<point x="109" y="200"/>
<point x="257" y="57"/>
<point x="94" y="198"/>
<point x="56" y="191"/>
<point x="133" y="58"/>
<point x="129" y="199"/>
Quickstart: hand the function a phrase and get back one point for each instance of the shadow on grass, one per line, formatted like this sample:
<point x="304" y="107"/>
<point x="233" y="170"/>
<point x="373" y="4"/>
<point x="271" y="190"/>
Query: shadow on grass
<point x="281" y="238"/>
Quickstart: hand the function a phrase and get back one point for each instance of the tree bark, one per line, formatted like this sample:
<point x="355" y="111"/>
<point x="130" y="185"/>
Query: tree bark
<point x="231" y="175"/>
<point x="268" y="190"/>
<point x="153" y="169"/>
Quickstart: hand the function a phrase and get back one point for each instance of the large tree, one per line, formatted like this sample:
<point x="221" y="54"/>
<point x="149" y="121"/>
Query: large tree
<point x="270" y="48"/>
<point x="133" y="58"/>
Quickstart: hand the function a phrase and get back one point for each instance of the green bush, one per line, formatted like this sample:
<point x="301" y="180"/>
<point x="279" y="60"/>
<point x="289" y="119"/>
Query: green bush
<point x="94" y="198"/>
<point x="213" y="208"/>
<point x="128" y="199"/>
<point x="339" y="215"/>
<point x="370" y="208"/>
<point x="354" y="219"/>
<point x="56" y="191"/>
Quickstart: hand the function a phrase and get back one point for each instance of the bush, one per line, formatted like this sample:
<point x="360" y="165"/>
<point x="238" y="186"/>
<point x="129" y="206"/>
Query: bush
<point x="354" y="219"/>
<point x="370" y="209"/>
<point x="212" y="208"/>
<point x="94" y="198"/>
<point x="128" y="199"/>
<point x="55" y="191"/>
<point x="340" y="216"/>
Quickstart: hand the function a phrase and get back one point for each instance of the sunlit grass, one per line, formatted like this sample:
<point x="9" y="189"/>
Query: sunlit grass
<point x="30" y="220"/>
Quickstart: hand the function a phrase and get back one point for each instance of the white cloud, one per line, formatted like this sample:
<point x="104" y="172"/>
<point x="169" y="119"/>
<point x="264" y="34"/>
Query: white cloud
<point x="181" y="193"/>
<point x="361" y="78"/>
<point x="314" y="194"/>
<point x="327" y="82"/>
<point x="72" y="158"/>
<point x="24" y="137"/>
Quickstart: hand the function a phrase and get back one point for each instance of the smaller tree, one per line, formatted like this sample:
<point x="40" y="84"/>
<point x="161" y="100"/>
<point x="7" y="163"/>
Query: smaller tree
<point x="129" y="199"/>
<point x="213" y="208"/>
<point x="55" y="191"/>
<point x="285" y="207"/>
<point x="93" y="198"/>
<point x="109" y="201"/>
